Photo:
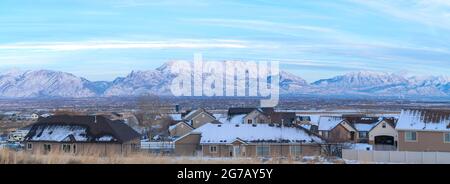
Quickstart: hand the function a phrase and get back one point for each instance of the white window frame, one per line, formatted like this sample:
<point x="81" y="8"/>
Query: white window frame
<point x="406" y="137"/>
<point x="29" y="146"/>
<point x="445" y="134"/>
<point x="211" y="150"/>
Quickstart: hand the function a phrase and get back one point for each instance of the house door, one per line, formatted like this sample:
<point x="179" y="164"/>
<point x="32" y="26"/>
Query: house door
<point x="236" y="151"/>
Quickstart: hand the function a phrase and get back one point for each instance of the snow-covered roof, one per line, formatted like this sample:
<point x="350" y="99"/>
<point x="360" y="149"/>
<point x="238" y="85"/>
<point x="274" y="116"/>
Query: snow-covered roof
<point x="329" y="122"/>
<point x="176" y="117"/>
<point x="364" y="127"/>
<point x="228" y="133"/>
<point x="65" y="128"/>
<point x="424" y="120"/>
<point x="237" y="119"/>
<point x="59" y="133"/>
<point x="181" y="122"/>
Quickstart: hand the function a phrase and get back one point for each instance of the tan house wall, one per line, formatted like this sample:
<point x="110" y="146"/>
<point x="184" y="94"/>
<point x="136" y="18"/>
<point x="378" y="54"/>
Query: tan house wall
<point x="256" y="117"/>
<point x="380" y="131"/>
<point x="341" y="134"/>
<point x="180" y="130"/>
<point x="201" y="119"/>
<point x="188" y="145"/>
<point x="276" y="150"/>
<point x="426" y="141"/>
<point x="95" y="149"/>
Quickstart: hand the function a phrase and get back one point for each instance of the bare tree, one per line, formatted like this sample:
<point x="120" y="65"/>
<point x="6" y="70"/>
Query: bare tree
<point x="151" y="115"/>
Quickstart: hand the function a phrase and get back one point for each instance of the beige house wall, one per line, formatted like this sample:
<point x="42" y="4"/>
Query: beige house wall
<point x="426" y="141"/>
<point x="188" y="145"/>
<point x="201" y="119"/>
<point x="180" y="130"/>
<point x="275" y="150"/>
<point x="380" y="131"/>
<point x="256" y="117"/>
<point x="94" y="149"/>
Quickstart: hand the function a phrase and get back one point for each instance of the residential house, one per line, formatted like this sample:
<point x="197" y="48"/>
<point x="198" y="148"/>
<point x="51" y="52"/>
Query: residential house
<point x="180" y="129"/>
<point x="257" y="116"/>
<point x="248" y="140"/>
<point x="383" y="133"/>
<point x="336" y="129"/>
<point x="198" y="117"/>
<point x="81" y="135"/>
<point x="362" y="125"/>
<point x="424" y="130"/>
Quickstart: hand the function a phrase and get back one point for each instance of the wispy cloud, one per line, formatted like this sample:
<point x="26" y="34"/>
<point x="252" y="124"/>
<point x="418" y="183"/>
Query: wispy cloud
<point x="263" y="25"/>
<point x="90" y="45"/>
<point x="434" y="13"/>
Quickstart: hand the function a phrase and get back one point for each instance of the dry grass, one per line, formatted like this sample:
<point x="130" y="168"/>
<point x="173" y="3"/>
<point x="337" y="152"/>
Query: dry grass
<point x="13" y="157"/>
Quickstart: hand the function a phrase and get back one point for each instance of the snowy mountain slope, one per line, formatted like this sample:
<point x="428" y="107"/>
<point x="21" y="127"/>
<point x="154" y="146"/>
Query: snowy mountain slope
<point x="46" y="83"/>
<point x="43" y="83"/>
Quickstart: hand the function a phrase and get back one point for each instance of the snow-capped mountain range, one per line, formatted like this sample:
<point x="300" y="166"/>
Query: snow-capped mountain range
<point x="47" y="83"/>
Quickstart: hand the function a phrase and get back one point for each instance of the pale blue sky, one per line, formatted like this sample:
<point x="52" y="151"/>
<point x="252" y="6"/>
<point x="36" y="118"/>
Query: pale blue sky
<point x="103" y="39"/>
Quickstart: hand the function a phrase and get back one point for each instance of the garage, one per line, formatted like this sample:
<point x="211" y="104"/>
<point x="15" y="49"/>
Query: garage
<point x="385" y="140"/>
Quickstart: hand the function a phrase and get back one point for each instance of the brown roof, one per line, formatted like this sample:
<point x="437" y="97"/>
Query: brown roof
<point x="286" y="117"/>
<point x="97" y="126"/>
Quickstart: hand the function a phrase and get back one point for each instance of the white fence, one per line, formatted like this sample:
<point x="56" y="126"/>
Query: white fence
<point x="157" y="145"/>
<point x="396" y="157"/>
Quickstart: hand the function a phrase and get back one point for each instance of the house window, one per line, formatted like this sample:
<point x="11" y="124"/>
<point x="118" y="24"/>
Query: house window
<point x="263" y="150"/>
<point x="65" y="148"/>
<point x="325" y="134"/>
<point x="447" y="137"/>
<point x="47" y="147"/>
<point x="296" y="150"/>
<point x="363" y="135"/>
<point x="410" y="136"/>
<point x="384" y="125"/>
<point x="29" y="146"/>
<point x="249" y="121"/>
<point x="213" y="149"/>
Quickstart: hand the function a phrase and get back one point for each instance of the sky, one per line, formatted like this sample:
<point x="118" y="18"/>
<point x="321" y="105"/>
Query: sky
<point x="315" y="39"/>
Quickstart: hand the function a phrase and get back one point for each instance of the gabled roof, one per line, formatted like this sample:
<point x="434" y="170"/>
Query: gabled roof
<point x="179" y="123"/>
<point x="194" y="113"/>
<point x="82" y="128"/>
<point x="327" y="123"/>
<point x="424" y="120"/>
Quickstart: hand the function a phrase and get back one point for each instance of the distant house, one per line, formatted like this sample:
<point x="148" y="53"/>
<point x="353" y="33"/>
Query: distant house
<point x="81" y="135"/>
<point x="19" y="134"/>
<point x="424" y="130"/>
<point x="257" y="116"/>
<point x="34" y="117"/>
<point x="248" y="140"/>
<point x="336" y="129"/>
<point x="198" y="117"/>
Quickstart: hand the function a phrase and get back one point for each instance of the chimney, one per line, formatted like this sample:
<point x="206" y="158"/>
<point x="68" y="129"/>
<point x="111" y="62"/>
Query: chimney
<point x="95" y="118"/>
